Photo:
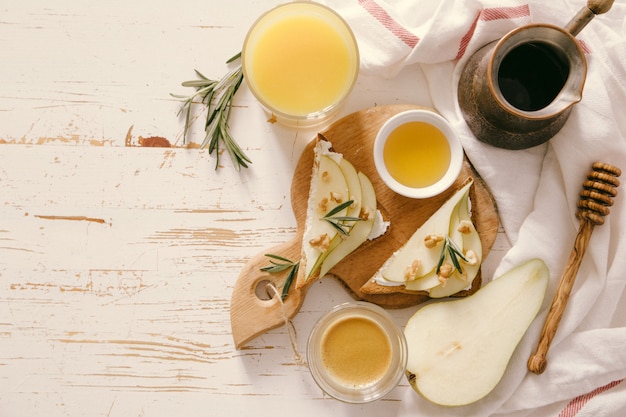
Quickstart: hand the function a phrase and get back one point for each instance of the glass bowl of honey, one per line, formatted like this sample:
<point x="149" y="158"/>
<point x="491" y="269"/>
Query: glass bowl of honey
<point x="301" y="61"/>
<point x="417" y="153"/>
<point x="357" y="353"/>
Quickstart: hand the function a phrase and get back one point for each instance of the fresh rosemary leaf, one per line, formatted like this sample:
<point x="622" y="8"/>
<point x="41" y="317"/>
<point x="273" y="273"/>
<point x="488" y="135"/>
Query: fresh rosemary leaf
<point x="234" y="58"/>
<point x="339" y="222"/>
<point x="289" y="280"/>
<point x="346" y="218"/>
<point x="275" y="268"/>
<point x="442" y="257"/>
<point x="456" y="249"/>
<point x="278" y="258"/>
<point x="453" y="258"/>
<point x="217" y="96"/>
<point x="450" y="248"/>
<point x="279" y="264"/>
<point x="339" y="208"/>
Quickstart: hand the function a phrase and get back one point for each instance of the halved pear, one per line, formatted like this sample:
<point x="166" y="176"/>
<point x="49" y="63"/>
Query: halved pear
<point x="459" y="350"/>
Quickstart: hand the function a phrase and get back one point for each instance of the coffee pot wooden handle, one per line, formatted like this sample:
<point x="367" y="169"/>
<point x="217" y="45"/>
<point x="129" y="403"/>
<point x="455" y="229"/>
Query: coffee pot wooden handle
<point x="595" y="199"/>
<point x="586" y="13"/>
<point x="599" y="6"/>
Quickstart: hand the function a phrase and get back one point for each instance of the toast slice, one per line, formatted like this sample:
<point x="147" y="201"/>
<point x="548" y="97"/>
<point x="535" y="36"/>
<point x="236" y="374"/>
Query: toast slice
<point x="441" y="258"/>
<point x="341" y="213"/>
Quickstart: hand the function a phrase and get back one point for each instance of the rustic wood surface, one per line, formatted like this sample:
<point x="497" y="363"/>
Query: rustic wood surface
<point x="119" y="254"/>
<point x="353" y="136"/>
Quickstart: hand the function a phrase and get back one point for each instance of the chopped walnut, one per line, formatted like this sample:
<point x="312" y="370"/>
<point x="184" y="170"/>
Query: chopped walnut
<point x="445" y="271"/>
<point x="465" y="227"/>
<point x="410" y="273"/>
<point x="326" y="176"/>
<point x="442" y="280"/>
<point x="365" y="213"/>
<point x="323" y="204"/>
<point x="472" y="257"/>
<point x="322" y="242"/>
<point x="336" y="197"/>
<point x="431" y="241"/>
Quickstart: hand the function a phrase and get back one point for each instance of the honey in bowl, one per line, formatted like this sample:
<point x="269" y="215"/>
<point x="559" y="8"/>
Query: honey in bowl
<point x="356" y="352"/>
<point x="417" y="154"/>
<point x="300" y="60"/>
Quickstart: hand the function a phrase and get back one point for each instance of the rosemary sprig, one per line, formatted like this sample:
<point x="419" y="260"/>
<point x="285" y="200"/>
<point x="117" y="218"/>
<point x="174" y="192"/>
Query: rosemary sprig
<point x="280" y="264"/>
<point x="450" y="248"/>
<point x="338" y="222"/>
<point x="217" y="96"/>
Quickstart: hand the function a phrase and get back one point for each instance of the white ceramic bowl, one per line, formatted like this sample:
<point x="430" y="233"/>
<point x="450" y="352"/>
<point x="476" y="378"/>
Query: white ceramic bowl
<point x="456" y="153"/>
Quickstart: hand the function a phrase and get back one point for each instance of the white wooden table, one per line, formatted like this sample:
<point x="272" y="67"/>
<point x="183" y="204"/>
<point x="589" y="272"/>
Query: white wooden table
<point x="117" y="261"/>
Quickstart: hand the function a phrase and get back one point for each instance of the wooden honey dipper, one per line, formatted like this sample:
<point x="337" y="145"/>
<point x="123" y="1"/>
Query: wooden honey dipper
<point x="595" y="198"/>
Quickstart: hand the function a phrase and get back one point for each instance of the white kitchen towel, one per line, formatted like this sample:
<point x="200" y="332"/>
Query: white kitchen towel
<point x="536" y="189"/>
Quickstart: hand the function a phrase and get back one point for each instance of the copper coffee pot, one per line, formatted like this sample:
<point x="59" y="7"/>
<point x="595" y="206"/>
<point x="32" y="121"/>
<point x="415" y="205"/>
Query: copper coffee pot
<point x="518" y="92"/>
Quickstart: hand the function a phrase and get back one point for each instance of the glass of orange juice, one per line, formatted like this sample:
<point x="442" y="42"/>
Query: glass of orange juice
<point x="300" y="60"/>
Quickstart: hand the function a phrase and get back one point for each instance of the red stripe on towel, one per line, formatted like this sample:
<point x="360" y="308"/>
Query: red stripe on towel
<point x="505" y="13"/>
<point x="487" y="15"/>
<point x="390" y="23"/>
<point x="578" y="403"/>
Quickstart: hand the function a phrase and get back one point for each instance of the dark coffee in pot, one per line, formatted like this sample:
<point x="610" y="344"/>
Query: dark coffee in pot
<point x="531" y="75"/>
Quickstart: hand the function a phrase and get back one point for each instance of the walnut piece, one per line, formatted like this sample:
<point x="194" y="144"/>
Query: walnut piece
<point x="365" y="213"/>
<point x="336" y="197"/>
<point x="430" y="241"/>
<point x="445" y="271"/>
<point x="322" y="242"/>
<point x="410" y="273"/>
<point x="323" y="204"/>
<point x="465" y="227"/>
<point x="442" y="280"/>
<point x="472" y="257"/>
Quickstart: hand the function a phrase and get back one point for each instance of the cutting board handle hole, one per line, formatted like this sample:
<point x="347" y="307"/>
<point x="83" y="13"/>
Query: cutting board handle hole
<point x="262" y="291"/>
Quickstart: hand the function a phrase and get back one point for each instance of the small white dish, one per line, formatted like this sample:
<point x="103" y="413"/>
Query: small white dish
<point x="448" y="175"/>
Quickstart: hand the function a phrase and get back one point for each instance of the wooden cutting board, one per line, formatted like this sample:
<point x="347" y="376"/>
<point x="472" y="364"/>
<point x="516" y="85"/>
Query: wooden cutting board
<point x="253" y="312"/>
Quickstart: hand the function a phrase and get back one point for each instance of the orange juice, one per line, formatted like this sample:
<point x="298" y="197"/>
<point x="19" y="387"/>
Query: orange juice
<point x="356" y="351"/>
<point x="417" y="154"/>
<point x="300" y="59"/>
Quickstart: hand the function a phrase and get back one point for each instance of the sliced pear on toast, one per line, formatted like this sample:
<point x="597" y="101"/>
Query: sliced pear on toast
<point x="441" y="258"/>
<point x="341" y="212"/>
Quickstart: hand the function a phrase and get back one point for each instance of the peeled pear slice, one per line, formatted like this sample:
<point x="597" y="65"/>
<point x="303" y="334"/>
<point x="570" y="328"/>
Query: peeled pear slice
<point x="330" y="188"/>
<point x="459" y="350"/>
<point x="469" y="240"/>
<point x="446" y="221"/>
<point x="335" y="181"/>
<point x="361" y="229"/>
<point x="322" y="265"/>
